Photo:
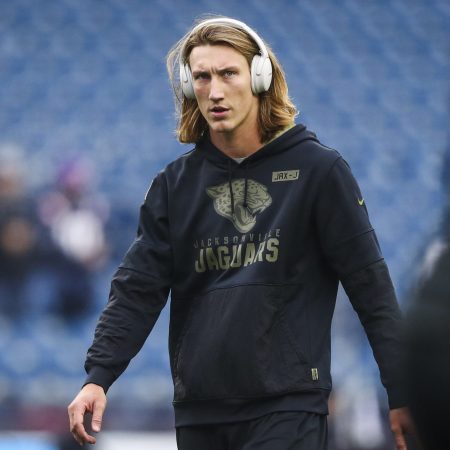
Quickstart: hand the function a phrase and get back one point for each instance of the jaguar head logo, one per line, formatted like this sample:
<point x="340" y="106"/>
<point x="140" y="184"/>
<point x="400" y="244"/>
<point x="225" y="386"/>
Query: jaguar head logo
<point x="243" y="217"/>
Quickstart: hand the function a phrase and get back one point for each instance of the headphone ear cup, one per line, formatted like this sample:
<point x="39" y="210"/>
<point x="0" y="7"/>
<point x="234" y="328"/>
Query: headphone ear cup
<point x="261" y="73"/>
<point x="187" y="86"/>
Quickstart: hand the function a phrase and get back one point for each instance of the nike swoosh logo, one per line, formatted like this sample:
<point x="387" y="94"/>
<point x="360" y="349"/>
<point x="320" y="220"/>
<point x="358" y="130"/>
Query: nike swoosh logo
<point x="361" y="202"/>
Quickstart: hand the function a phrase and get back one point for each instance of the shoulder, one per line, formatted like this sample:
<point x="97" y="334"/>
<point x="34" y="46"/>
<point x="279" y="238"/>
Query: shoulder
<point x="314" y="157"/>
<point x="170" y="175"/>
<point x="321" y="155"/>
<point x="304" y="144"/>
<point x="176" y="164"/>
<point x="180" y="164"/>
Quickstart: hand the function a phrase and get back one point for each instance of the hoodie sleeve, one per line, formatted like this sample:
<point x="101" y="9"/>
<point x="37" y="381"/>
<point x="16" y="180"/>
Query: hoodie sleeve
<point x="139" y="291"/>
<point x="351" y="248"/>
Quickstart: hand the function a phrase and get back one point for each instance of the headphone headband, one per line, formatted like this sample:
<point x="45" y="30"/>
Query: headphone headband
<point x="237" y="24"/>
<point x="261" y="68"/>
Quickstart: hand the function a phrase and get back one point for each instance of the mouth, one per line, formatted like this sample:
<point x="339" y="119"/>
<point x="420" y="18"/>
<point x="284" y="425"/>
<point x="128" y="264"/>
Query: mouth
<point x="218" y="111"/>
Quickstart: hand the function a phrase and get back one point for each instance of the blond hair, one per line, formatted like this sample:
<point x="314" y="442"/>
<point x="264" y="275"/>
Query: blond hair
<point x="276" y="110"/>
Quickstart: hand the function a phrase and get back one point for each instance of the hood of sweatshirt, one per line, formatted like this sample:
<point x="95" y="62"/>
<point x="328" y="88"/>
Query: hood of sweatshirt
<point x="285" y="141"/>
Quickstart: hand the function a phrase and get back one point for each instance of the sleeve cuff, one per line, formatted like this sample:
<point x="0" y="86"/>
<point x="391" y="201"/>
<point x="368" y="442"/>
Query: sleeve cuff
<point x="101" y="376"/>
<point x="397" y="398"/>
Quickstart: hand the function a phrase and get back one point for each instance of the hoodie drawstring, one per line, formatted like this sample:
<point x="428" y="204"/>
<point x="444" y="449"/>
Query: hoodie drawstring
<point x="245" y="186"/>
<point x="230" y="185"/>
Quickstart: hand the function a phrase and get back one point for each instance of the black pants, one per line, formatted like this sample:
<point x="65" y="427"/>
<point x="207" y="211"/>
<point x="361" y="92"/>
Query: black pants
<point x="276" y="431"/>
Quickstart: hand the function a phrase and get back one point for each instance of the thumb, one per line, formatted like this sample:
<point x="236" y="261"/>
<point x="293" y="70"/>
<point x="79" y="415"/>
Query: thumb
<point x="97" y="416"/>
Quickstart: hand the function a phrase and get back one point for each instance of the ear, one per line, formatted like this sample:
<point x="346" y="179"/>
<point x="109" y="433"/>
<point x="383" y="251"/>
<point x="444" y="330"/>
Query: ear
<point x="187" y="85"/>
<point x="261" y="71"/>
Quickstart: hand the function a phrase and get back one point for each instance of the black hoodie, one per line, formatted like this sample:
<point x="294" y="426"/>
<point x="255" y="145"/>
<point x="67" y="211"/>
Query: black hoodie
<point x="252" y="254"/>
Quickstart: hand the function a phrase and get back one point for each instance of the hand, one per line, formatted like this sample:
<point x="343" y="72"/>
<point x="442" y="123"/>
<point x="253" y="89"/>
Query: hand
<point x="91" y="399"/>
<point x="401" y="424"/>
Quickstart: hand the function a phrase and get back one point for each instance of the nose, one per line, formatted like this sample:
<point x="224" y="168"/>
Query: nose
<point x="216" y="89"/>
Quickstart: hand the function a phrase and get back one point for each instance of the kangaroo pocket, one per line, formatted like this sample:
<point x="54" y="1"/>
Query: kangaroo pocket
<point x="236" y="344"/>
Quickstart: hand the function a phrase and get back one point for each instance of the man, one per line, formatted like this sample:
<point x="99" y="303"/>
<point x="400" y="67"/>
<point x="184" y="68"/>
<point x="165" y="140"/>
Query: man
<point x="251" y="232"/>
<point x="428" y="335"/>
<point x="428" y="346"/>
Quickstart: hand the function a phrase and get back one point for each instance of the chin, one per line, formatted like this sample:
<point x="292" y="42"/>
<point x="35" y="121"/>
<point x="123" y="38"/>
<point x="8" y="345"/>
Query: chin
<point x="220" y="127"/>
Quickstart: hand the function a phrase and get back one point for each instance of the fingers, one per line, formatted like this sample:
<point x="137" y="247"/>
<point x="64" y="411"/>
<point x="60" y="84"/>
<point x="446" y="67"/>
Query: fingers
<point x="99" y="408"/>
<point x="76" y="416"/>
<point x="400" y="441"/>
<point x="401" y="424"/>
<point x="90" y="399"/>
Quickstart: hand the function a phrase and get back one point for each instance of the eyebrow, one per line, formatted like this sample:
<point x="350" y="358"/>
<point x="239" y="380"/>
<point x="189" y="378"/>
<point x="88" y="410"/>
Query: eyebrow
<point x="200" y="72"/>
<point x="220" y="71"/>
<point x="228" y="68"/>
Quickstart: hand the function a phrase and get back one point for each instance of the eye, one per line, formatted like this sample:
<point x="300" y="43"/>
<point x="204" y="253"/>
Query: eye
<point x="201" y="76"/>
<point x="229" y="73"/>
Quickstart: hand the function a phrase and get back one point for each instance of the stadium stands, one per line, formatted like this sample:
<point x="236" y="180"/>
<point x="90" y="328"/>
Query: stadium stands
<point x="371" y="78"/>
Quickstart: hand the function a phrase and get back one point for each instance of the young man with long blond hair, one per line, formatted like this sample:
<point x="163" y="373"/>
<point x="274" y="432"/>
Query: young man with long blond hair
<point x="251" y="232"/>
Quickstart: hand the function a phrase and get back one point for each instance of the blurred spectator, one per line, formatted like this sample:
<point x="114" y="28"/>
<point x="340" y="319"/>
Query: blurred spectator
<point x="19" y="234"/>
<point x="428" y="358"/>
<point x="75" y="217"/>
<point x="428" y="362"/>
<point x="51" y="247"/>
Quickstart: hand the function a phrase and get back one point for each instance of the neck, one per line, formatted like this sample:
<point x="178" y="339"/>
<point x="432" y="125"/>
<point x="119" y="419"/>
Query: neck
<point x="237" y="145"/>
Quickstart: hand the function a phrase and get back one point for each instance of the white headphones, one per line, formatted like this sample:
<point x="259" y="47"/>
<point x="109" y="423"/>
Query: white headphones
<point x="261" y="68"/>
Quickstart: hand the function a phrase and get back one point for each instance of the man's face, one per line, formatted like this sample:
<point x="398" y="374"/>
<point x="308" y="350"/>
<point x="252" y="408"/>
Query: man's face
<point x="222" y="86"/>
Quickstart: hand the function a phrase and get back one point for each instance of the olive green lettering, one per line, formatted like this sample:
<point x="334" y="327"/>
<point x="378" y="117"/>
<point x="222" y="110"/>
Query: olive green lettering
<point x="223" y="257"/>
<point x="272" y="246"/>
<point x="211" y="259"/>
<point x="200" y="263"/>
<point x="249" y="254"/>
<point x="259" y="253"/>
<point x="236" y="260"/>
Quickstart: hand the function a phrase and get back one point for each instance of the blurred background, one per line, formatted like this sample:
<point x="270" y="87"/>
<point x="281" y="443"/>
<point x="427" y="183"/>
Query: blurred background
<point x="87" y="121"/>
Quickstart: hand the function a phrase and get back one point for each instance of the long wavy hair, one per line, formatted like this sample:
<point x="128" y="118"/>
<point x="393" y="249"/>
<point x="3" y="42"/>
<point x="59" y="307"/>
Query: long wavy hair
<point x="276" y="110"/>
